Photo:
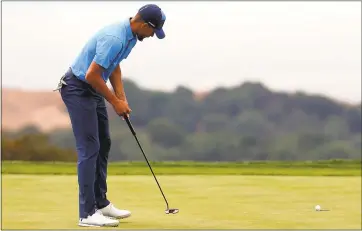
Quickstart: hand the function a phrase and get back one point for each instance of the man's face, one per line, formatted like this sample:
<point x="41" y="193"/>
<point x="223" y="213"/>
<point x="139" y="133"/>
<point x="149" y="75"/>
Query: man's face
<point x="145" y="31"/>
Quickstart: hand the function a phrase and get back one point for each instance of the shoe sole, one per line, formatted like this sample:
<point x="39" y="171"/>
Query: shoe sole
<point x="125" y="216"/>
<point x="121" y="217"/>
<point x="105" y="225"/>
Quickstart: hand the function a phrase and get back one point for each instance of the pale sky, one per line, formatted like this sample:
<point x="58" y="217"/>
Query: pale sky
<point x="309" y="46"/>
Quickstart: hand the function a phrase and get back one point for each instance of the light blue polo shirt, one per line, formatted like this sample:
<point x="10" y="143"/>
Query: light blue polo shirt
<point x="108" y="47"/>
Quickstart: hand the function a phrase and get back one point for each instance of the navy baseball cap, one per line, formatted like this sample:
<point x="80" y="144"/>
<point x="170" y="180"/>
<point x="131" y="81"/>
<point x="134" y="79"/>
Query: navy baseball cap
<point x="153" y="16"/>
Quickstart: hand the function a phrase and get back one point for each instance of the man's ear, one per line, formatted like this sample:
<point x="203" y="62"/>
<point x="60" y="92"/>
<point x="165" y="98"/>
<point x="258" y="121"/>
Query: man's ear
<point x="144" y="25"/>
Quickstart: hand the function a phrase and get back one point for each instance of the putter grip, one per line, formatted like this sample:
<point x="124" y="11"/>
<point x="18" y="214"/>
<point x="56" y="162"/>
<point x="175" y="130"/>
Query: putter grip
<point x="129" y="124"/>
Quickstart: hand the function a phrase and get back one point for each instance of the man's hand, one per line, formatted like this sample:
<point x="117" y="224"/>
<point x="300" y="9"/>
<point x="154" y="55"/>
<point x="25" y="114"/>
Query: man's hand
<point x="121" y="107"/>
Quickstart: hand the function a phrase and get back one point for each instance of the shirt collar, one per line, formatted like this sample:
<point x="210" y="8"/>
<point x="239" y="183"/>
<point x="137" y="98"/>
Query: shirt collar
<point x="130" y="34"/>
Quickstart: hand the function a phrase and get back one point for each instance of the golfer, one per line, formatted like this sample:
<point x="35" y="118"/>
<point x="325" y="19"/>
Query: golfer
<point x="83" y="90"/>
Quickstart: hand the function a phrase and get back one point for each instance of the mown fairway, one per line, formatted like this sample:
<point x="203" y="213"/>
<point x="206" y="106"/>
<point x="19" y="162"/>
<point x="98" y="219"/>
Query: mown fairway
<point x="278" y="168"/>
<point x="215" y="202"/>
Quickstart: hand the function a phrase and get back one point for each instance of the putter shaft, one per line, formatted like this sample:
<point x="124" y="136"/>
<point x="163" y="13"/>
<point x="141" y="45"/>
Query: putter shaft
<point x="144" y="155"/>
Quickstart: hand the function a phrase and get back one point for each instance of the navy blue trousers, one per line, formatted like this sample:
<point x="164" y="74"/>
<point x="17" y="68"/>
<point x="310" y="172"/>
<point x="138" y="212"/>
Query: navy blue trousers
<point x="89" y="119"/>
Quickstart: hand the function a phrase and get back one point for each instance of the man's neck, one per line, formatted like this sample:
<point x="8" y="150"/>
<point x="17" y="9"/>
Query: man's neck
<point x="132" y="26"/>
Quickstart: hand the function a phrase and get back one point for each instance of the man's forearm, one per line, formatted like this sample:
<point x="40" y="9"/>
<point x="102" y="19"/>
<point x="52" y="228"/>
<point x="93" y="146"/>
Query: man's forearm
<point x="119" y="92"/>
<point x="95" y="80"/>
<point x="117" y="84"/>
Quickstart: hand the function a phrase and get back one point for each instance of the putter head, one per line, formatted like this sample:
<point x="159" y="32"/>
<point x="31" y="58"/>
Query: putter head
<point x="171" y="211"/>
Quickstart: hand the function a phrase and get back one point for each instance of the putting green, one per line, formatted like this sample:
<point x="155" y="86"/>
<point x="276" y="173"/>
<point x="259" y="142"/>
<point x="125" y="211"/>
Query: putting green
<point x="205" y="202"/>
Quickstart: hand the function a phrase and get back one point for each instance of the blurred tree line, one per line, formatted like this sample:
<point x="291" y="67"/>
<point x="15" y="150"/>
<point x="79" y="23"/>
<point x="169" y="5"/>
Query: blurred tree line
<point x="246" y="122"/>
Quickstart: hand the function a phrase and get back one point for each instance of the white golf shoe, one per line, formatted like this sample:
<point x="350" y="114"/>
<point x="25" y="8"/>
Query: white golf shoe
<point x="113" y="212"/>
<point x="98" y="220"/>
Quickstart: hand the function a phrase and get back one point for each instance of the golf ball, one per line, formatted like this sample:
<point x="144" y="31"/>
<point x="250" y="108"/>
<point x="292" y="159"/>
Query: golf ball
<point x="317" y="208"/>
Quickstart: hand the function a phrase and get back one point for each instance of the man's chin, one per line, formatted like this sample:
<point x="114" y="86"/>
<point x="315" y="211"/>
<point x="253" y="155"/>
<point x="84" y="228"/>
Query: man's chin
<point x="140" y="38"/>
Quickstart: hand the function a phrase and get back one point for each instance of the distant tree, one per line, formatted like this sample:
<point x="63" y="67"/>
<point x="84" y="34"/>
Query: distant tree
<point x="163" y="132"/>
<point x="244" y="122"/>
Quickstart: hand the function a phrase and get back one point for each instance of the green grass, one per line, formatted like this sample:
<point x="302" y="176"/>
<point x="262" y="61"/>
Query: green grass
<point x="205" y="201"/>
<point x="307" y="168"/>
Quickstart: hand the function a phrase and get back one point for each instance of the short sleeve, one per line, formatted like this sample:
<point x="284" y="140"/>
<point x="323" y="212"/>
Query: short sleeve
<point x="107" y="49"/>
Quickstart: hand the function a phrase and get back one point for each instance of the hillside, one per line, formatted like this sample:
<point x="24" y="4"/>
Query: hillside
<point x="245" y="122"/>
<point x="42" y="109"/>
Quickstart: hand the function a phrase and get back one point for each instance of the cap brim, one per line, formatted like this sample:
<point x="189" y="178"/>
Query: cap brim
<point x="160" y="33"/>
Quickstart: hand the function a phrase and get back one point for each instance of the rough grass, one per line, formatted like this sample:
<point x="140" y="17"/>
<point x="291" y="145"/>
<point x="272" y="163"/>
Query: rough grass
<point x="306" y="168"/>
<point x="205" y="202"/>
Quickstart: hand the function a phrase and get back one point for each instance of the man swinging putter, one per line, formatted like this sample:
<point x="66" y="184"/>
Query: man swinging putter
<point x="83" y="90"/>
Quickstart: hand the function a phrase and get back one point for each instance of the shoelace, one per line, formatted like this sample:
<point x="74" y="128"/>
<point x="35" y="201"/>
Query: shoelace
<point x="98" y="214"/>
<point x="111" y="206"/>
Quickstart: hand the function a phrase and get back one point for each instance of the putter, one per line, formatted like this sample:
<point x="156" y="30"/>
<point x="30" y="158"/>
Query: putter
<point x="168" y="210"/>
